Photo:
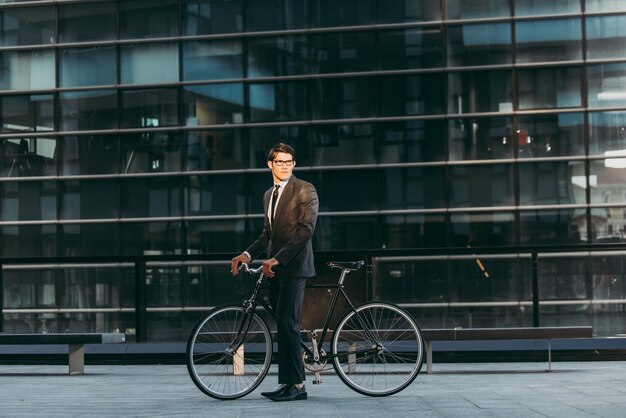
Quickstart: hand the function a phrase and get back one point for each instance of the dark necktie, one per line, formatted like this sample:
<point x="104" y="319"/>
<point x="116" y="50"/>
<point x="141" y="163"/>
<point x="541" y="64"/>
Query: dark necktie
<point x="274" y="199"/>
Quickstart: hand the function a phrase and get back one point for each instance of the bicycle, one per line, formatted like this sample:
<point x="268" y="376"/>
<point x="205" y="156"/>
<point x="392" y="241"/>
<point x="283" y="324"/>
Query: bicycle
<point x="376" y="349"/>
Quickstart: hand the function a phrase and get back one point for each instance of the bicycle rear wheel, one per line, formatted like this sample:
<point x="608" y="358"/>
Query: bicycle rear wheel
<point x="378" y="349"/>
<point x="226" y="357"/>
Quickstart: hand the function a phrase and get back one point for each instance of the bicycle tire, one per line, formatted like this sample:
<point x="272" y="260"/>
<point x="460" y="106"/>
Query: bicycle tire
<point x="386" y="370"/>
<point x="215" y="371"/>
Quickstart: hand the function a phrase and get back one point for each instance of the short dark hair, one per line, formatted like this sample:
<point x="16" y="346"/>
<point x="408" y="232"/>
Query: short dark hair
<point x="280" y="147"/>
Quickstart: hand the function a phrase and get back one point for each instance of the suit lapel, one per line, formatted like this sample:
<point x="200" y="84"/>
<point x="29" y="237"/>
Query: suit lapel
<point x="285" y="198"/>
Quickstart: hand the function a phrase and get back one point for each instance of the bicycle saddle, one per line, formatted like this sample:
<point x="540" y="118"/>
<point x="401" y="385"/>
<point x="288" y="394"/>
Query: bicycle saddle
<point x="346" y="265"/>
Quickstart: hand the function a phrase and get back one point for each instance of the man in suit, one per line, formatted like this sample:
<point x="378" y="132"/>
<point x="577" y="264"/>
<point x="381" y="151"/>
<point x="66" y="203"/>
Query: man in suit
<point x="291" y="208"/>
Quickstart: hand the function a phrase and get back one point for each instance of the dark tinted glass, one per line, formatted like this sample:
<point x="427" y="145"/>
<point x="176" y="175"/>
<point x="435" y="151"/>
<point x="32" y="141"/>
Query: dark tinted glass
<point x="28" y="200"/>
<point x="27" y="113"/>
<point x="149" y="108"/>
<point x="27" y="26"/>
<point x="348" y="233"/>
<point x="607" y="84"/>
<point x="213" y="104"/>
<point x="277" y="56"/>
<point x="553" y="226"/>
<point x="404" y="11"/>
<point x="212" y="60"/>
<point x="342" y="52"/>
<point x="481" y="185"/>
<point x="420" y="94"/>
<point x="342" y="13"/>
<point x="94" y="66"/>
<point x="479" y="44"/>
<point x="87" y="110"/>
<point x="204" y="17"/>
<point x="262" y="139"/>
<point x="413" y="188"/>
<point x="139" y="238"/>
<point x="27" y="157"/>
<point x="607" y="132"/>
<point x="87" y="22"/>
<point x="337" y="98"/>
<point x="150" y="197"/>
<point x="491" y="92"/>
<point x="91" y="154"/>
<point x="215" y="195"/>
<point x="549" y="88"/>
<point x="552" y="183"/>
<point x="29" y="241"/>
<point x="148" y="18"/>
<point x="412" y="141"/>
<point x="463" y="9"/>
<point x="480" y="138"/>
<point x="410" y="48"/>
<point x="89" y="199"/>
<point x="413" y="231"/>
<point x="551" y="135"/>
<point x="215" y="150"/>
<point x="548" y="40"/>
<point x="346" y="190"/>
<point x="476" y="229"/>
<point x="265" y="15"/>
<point x="151" y="152"/>
<point x="217" y="236"/>
<point x="344" y="144"/>
<point x="90" y="239"/>
<point x="284" y="100"/>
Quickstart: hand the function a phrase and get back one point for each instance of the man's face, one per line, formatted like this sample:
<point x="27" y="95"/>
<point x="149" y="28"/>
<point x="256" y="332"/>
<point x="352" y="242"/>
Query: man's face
<point x="282" y="166"/>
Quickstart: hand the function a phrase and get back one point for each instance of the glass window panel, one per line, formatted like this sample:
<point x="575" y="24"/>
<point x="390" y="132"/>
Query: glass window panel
<point x="149" y="63"/>
<point x="604" y="5"/>
<point x="410" y="94"/>
<point x="284" y="100"/>
<point x="217" y="236"/>
<point x="342" y="52"/>
<point x="26" y="157"/>
<point x="336" y="98"/>
<point x="215" y="150"/>
<point x="549" y="88"/>
<point x="262" y="139"/>
<point x="94" y="66"/>
<point x="266" y="15"/>
<point x="216" y="195"/>
<point x="90" y="199"/>
<point x="548" y="40"/>
<point x="148" y="18"/>
<point x="27" y="70"/>
<point x="413" y="188"/>
<point x="259" y="183"/>
<point x="606" y="178"/>
<point x="277" y="56"/>
<point x="149" y="108"/>
<point x="85" y="22"/>
<point x="609" y="224"/>
<point x="476" y="229"/>
<point x="606" y="36"/>
<point x="552" y="183"/>
<point x="28" y="241"/>
<point x="607" y="132"/>
<point x="213" y="104"/>
<point x="479" y="44"/>
<point x="27" y="113"/>
<point x="565" y="226"/>
<point x="405" y="11"/>
<point x="342" y="13"/>
<point x="91" y="154"/>
<point x="412" y="141"/>
<point x="139" y="238"/>
<point x="607" y="85"/>
<point x="28" y="201"/>
<point x="205" y="17"/>
<point x="344" y="144"/>
<point x="212" y="60"/>
<point x="347" y="233"/>
<point x="546" y="7"/>
<point x="333" y="197"/>
<point x="151" y="152"/>
<point x="27" y="26"/>
<point x="413" y="231"/>
<point x="551" y="135"/>
<point x="88" y="110"/>
<point x="463" y="9"/>
<point x="480" y="138"/>
<point x="482" y="185"/>
<point x="609" y="278"/>
<point x="410" y="48"/>
<point x="150" y="197"/>
<point x="479" y="91"/>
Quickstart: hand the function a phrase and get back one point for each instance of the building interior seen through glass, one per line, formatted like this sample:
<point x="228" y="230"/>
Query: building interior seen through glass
<point x="140" y="128"/>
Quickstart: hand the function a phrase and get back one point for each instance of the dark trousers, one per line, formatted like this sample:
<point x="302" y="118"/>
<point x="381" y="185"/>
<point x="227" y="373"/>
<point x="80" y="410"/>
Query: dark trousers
<point x="286" y="294"/>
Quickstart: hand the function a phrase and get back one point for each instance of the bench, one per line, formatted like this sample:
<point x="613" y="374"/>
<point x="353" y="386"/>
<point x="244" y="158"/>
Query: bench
<point x="530" y="333"/>
<point x="75" y="341"/>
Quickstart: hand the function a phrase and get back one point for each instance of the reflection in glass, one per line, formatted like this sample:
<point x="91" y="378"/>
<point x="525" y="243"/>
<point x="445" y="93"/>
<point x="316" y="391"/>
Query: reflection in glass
<point x="405" y="11"/>
<point x="551" y="135"/>
<point x="334" y="197"/>
<point x="149" y="108"/>
<point x="28" y="241"/>
<point x="262" y="139"/>
<point x="27" y="157"/>
<point x="27" y="113"/>
<point x="480" y="138"/>
<point x="139" y="238"/>
<point x="149" y="63"/>
<point x="216" y="195"/>
<point x="604" y="5"/>
<point x="28" y="201"/>
<point x="266" y="15"/>
<point x="277" y="56"/>
<point x="88" y="110"/>
<point x="606" y="178"/>
<point x="151" y="152"/>
<point x="336" y="98"/>
<point x="27" y="26"/>
<point x="148" y="18"/>
<point x="549" y="88"/>
<point x="90" y="154"/>
<point x="409" y="95"/>
<point x="212" y="60"/>
<point x="552" y="183"/>
<point x="285" y="100"/>
<point x="202" y="17"/>
<point x="347" y="233"/>
<point x="410" y="48"/>
<point x="412" y="141"/>
<point x="606" y="36"/>
<point x="84" y="22"/>
<point x="94" y="66"/>
<point x="342" y="13"/>
<point x="89" y="199"/>
<point x="479" y="91"/>
<point x="342" y="52"/>
<point x="481" y="185"/>
<point x="607" y="132"/>
<point x="476" y="229"/>
<point x="213" y="104"/>
<point x="548" y="40"/>
<point x="215" y="150"/>
<point x="546" y="7"/>
<point x="479" y="44"/>
<point x="344" y="144"/>
<point x="216" y="237"/>
<point x="553" y="226"/>
<point x="413" y="231"/>
<point x="150" y="197"/>
<point x="607" y="85"/>
<point x="413" y="188"/>
<point x="463" y="9"/>
<point x="27" y="70"/>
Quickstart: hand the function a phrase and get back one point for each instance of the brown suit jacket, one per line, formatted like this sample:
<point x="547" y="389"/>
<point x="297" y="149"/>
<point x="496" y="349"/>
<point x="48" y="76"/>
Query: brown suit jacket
<point x="289" y="239"/>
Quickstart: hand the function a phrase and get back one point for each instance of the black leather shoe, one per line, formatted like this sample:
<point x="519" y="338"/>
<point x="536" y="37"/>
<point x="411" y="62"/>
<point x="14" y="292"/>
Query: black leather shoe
<point x="292" y="393"/>
<point x="275" y="392"/>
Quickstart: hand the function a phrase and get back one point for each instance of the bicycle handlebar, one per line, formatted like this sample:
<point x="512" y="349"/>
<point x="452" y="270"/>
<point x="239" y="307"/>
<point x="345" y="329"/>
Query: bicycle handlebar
<point x="247" y="269"/>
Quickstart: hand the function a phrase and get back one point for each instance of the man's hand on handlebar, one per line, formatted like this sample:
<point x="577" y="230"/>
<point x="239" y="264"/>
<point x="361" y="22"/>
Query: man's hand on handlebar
<point x="234" y="266"/>
<point x="268" y="265"/>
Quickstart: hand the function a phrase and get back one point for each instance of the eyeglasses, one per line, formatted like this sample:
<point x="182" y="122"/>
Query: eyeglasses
<point x="279" y="163"/>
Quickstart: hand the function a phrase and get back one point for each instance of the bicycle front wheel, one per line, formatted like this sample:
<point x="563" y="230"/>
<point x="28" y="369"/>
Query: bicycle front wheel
<point x="229" y="352"/>
<point x="377" y="349"/>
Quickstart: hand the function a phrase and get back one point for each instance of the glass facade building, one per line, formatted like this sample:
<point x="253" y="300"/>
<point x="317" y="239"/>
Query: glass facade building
<point x="140" y="128"/>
